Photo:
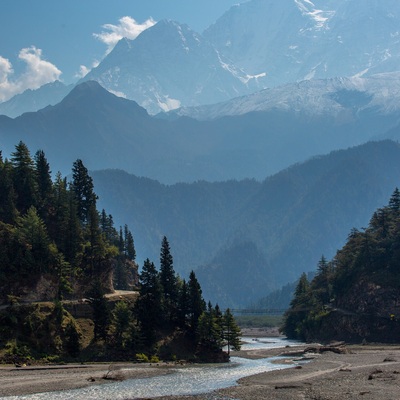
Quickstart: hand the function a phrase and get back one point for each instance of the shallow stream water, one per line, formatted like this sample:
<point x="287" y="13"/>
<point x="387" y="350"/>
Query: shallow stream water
<point x="183" y="381"/>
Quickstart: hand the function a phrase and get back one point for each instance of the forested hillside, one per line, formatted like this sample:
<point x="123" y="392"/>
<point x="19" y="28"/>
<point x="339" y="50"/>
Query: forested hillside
<point x="60" y="256"/>
<point x="54" y="241"/>
<point x="247" y="238"/>
<point x="356" y="295"/>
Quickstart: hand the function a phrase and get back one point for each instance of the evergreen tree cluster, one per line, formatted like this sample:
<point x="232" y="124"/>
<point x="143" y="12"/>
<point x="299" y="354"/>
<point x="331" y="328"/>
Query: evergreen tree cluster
<point x="167" y="304"/>
<point x="167" y="307"/>
<point x="356" y="295"/>
<point x="53" y="230"/>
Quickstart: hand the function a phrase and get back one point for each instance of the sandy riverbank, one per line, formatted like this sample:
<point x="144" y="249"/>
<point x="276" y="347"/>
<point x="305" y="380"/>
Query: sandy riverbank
<point x="363" y="372"/>
<point x="30" y="380"/>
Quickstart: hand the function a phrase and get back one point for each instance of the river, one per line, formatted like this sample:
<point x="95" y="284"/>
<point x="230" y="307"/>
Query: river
<point x="183" y="381"/>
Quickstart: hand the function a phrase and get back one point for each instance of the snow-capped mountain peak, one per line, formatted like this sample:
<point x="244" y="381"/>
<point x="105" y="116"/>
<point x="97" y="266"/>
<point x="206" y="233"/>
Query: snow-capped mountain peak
<point x="169" y="65"/>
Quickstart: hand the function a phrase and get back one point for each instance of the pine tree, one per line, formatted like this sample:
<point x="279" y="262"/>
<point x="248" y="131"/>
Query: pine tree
<point x="32" y="230"/>
<point x="394" y="202"/>
<point x="72" y="345"/>
<point x="183" y="305"/>
<point x="96" y="251"/>
<point x="24" y="179"/>
<point x="299" y="308"/>
<point x="196" y="303"/>
<point x="8" y="210"/>
<point x="129" y="244"/>
<point x="168" y="280"/>
<point x="101" y="312"/>
<point x="44" y="185"/>
<point x="148" y="307"/>
<point x="231" y="331"/>
<point x="107" y="227"/>
<point x="122" y="317"/>
<point x="209" y="331"/>
<point x="82" y="186"/>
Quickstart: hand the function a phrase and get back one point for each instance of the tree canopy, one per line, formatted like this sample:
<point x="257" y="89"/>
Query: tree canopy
<point x="354" y="296"/>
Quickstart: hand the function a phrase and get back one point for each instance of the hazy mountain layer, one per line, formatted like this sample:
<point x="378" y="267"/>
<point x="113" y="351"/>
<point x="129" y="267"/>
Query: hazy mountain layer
<point x="34" y="100"/>
<point x="248" y="238"/>
<point x="106" y="131"/>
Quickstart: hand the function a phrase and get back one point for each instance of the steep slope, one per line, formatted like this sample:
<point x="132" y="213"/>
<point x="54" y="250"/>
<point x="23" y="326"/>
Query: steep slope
<point x="169" y="65"/>
<point x="308" y="210"/>
<point x="292" y="40"/>
<point x="195" y="217"/>
<point x="249" y="238"/>
<point x="355" y="297"/>
<point x="34" y="100"/>
<point x="90" y="123"/>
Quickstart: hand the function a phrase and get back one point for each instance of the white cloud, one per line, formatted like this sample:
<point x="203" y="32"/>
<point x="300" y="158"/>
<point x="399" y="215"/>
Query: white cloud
<point x="127" y="28"/>
<point x="37" y="73"/>
<point x="5" y="69"/>
<point x="84" y="70"/>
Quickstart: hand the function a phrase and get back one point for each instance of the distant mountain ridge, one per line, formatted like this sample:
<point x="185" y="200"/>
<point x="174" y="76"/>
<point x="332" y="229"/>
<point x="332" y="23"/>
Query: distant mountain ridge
<point x="244" y="238"/>
<point x="107" y="131"/>
<point x="339" y="97"/>
<point x="34" y="100"/>
<point x="255" y="45"/>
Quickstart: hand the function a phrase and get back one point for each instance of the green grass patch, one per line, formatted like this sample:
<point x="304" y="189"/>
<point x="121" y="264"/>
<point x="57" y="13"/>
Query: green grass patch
<point x="258" y="321"/>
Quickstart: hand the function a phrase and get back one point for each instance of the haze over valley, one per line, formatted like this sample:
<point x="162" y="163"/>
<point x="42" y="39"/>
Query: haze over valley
<point x="255" y="145"/>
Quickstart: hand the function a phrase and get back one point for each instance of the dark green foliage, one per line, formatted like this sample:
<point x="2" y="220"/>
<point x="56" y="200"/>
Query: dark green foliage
<point x="352" y="296"/>
<point x="8" y="210"/>
<point x="280" y="218"/>
<point x="148" y="308"/>
<point x="24" y="179"/>
<point x="82" y="186"/>
<point x="168" y="281"/>
<point x="129" y="244"/>
<point x="196" y="303"/>
<point x="72" y="345"/>
<point x="209" y="330"/>
<point x="101" y="312"/>
<point x="122" y="320"/>
<point x="44" y="185"/>
<point x="183" y="305"/>
<point x="230" y="331"/>
<point x="52" y="230"/>
<point x="299" y="308"/>
<point x="55" y="243"/>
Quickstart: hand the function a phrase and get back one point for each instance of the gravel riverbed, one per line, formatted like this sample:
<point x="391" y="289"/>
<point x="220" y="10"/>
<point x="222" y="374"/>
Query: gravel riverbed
<point x="362" y="372"/>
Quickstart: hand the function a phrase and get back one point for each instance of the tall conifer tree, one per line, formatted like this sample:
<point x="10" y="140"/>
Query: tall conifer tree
<point x="82" y="186"/>
<point x="24" y="178"/>
<point x="168" y="280"/>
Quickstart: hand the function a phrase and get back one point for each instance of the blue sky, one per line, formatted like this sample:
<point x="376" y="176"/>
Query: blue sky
<point x="44" y="40"/>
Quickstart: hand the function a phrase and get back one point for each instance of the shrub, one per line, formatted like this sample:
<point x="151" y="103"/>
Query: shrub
<point x="140" y="357"/>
